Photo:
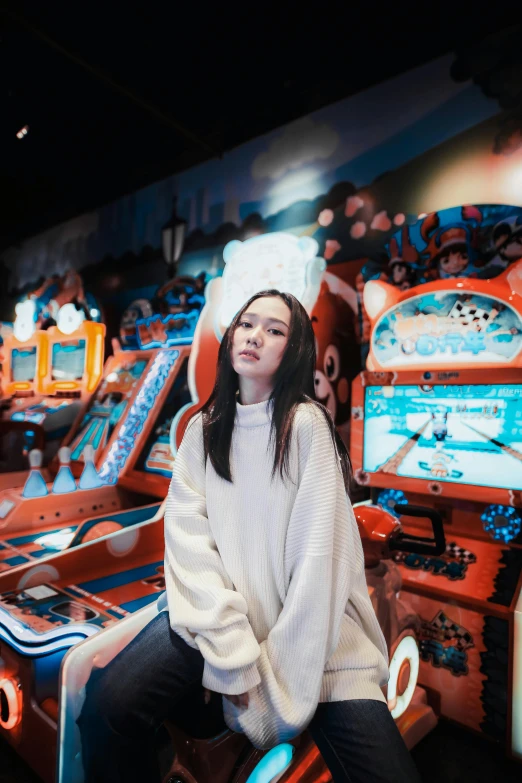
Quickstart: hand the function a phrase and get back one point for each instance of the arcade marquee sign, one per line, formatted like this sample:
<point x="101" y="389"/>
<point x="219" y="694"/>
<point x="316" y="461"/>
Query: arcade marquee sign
<point x="444" y="325"/>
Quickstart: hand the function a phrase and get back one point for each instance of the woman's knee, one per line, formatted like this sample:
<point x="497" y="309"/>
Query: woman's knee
<point x="108" y="700"/>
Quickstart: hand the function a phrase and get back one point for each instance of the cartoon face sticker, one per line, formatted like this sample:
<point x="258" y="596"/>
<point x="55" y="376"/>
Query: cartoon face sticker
<point x="454" y="261"/>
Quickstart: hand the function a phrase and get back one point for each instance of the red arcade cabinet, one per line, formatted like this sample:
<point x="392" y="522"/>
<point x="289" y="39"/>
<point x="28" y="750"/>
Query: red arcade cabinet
<point x="437" y="421"/>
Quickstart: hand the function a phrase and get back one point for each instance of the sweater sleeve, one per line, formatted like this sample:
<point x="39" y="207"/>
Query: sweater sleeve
<point x="320" y="569"/>
<point x="204" y="608"/>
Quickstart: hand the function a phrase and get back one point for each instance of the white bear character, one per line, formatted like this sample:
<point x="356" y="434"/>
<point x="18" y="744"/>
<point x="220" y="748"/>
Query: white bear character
<point x="282" y="261"/>
<point x="69" y="318"/>
<point x="25" y="321"/>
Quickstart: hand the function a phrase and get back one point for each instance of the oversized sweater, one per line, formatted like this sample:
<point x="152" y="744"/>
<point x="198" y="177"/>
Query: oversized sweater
<point x="265" y="576"/>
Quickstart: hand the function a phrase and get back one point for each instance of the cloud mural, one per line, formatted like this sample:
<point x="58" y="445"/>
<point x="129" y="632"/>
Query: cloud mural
<point x="299" y="144"/>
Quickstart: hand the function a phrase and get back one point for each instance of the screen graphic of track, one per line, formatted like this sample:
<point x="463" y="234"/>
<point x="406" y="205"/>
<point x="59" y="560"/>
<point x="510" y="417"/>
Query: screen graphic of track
<point x="461" y="434"/>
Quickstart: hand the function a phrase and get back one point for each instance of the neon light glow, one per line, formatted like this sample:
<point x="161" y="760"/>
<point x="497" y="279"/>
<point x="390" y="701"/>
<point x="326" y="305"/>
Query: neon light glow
<point x="140" y="409"/>
<point x="273" y="764"/>
<point x="13" y="697"/>
<point x="407" y="650"/>
<point x="503" y="523"/>
<point x="388" y="498"/>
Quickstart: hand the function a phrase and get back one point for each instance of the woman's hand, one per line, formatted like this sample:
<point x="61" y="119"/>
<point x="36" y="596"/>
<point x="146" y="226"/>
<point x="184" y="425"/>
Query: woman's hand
<point x="241" y="700"/>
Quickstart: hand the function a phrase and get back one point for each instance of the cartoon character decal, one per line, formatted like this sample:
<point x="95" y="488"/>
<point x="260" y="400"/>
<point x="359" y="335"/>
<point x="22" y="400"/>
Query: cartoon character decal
<point x="471" y="241"/>
<point x="452" y="251"/>
<point x="446" y="323"/>
<point x="444" y="643"/>
<point x="333" y="320"/>
<point x="404" y="262"/>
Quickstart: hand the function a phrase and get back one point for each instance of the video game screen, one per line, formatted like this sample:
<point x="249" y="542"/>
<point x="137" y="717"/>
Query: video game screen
<point x="23" y="364"/>
<point x="107" y="407"/>
<point x="68" y="360"/>
<point x="470" y="434"/>
<point x="156" y="457"/>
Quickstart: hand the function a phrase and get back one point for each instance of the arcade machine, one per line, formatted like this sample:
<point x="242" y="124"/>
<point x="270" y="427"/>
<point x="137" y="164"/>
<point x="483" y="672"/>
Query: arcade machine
<point x="437" y="421"/>
<point x="49" y="378"/>
<point x="104" y="592"/>
<point x="114" y="465"/>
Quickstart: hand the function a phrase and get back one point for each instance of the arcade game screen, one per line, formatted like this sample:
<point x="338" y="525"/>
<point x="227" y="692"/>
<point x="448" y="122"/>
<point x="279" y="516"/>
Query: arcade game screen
<point x="23" y="364"/>
<point x="156" y="457"/>
<point x="463" y="434"/>
<point x="68" y="360"/>
<point x="107" y="407"/>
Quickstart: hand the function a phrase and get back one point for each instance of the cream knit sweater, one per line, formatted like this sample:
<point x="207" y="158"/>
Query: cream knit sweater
<point x="266" y="577"/>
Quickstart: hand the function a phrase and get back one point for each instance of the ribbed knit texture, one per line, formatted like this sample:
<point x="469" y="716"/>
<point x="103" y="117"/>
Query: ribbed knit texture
<point x="266" y="577"/>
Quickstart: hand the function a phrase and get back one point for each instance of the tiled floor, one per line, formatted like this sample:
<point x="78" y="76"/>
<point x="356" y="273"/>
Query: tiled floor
<point x="448" y="755"/>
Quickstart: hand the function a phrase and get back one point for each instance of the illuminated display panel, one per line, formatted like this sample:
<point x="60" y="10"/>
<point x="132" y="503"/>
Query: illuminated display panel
<point x="108" y="405"/>
<point x="461" y="434"/>
<point x="68" y="360"/>
<point x="23" y="364"/>
<point x="155" y="457"/>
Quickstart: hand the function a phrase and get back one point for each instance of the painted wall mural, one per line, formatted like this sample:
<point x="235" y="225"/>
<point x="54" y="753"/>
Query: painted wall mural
<point x="377" y="180"/>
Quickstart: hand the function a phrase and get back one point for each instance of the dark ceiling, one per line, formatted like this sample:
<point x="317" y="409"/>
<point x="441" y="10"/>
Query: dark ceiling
<point x="116" y="98"/>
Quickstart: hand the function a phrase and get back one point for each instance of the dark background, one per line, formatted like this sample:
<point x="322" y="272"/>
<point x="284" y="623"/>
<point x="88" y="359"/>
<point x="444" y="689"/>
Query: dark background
<point x="117" y="97"/>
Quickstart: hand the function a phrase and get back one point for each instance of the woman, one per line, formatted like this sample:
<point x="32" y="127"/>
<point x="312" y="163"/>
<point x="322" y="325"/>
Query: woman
<point x="267" y="597"/>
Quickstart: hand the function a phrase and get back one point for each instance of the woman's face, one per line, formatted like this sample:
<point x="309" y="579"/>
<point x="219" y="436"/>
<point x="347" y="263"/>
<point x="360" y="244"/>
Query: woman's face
<point x="260" y="338"/>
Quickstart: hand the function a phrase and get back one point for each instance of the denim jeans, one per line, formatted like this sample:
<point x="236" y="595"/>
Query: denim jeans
<point x="158" y="677"/>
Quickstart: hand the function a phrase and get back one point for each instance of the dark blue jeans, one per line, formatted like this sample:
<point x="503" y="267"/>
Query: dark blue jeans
<point x="158" y="677"/>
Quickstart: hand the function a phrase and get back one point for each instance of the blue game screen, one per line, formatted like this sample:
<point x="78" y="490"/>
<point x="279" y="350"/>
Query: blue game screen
<point x="23" y="364"/>
<point x="68" y="360"/>
<point x="470" y="434"/>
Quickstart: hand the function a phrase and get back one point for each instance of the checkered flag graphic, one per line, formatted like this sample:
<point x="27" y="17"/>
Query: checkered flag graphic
<point x="467" y="314"/>
<point x="460" y="554"/>
<point x="443" y="628"/>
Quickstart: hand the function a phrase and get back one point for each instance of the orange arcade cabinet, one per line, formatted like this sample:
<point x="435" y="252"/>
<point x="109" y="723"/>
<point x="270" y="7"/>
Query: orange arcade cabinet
<point x="114" y="465"/>
<point x="90" y="601"/>
<point x="437" y="421"/>
<point x="49" y="377"/>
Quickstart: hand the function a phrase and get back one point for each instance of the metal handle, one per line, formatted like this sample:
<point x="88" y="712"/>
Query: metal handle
<point x="422" y="545"/>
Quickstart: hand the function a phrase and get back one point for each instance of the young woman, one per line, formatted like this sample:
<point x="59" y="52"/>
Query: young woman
<point x="267" y="597"/>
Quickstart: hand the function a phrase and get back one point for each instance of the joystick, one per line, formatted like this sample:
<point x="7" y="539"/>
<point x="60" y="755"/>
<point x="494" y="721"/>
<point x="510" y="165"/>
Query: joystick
<point x="64" y="481"/>
<point x="35" y="486"/>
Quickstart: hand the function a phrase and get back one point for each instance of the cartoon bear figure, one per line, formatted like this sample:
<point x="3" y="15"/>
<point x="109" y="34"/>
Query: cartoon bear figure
<point x="338" y="355"/>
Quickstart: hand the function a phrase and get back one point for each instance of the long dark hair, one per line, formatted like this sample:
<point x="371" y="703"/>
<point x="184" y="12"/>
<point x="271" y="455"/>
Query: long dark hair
<point x="294" y="384"/>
